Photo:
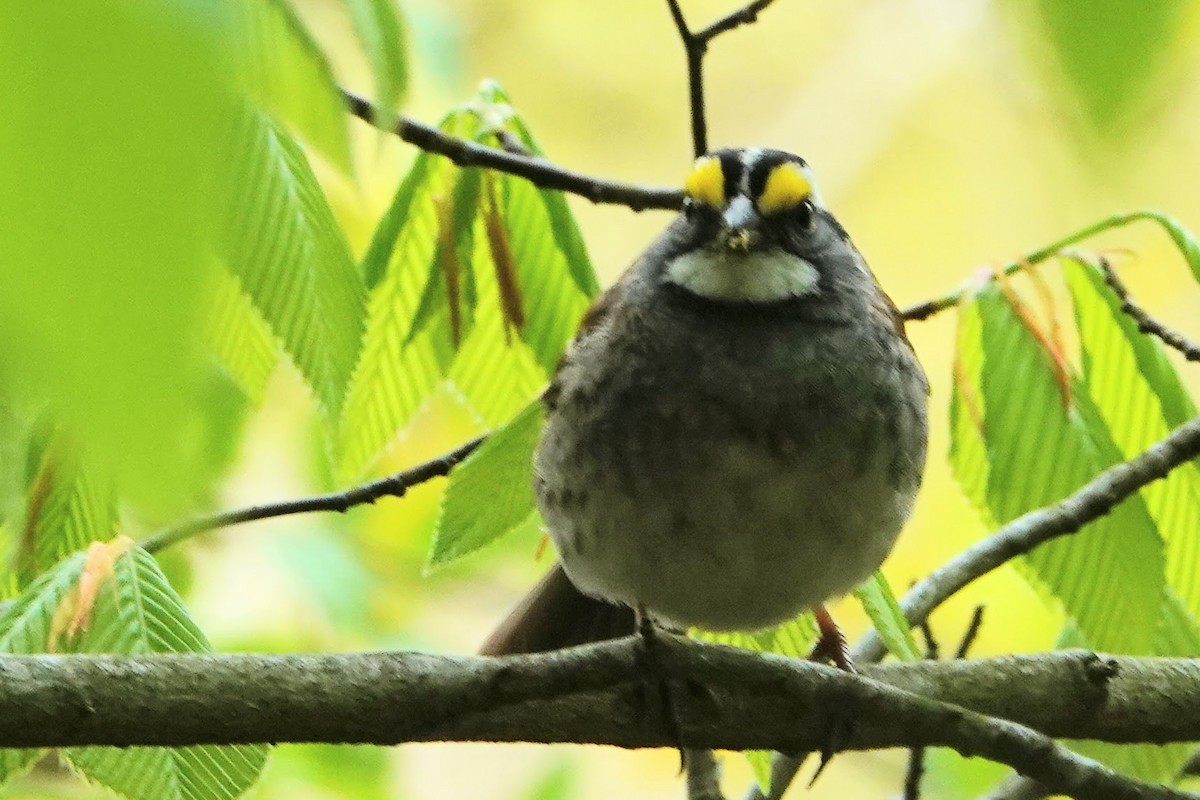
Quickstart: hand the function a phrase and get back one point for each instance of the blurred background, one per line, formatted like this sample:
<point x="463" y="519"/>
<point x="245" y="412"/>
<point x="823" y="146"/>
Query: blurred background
<point x="948" y="136"/>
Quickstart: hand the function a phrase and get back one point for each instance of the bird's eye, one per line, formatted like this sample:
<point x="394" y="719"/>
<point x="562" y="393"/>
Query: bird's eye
<point x="805" y="215"/>
<point x="689" y="208"/>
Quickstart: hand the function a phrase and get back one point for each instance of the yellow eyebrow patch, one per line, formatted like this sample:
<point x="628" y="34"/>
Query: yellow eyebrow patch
<point x="786" y="187"/>
<point x="706" y="182"/>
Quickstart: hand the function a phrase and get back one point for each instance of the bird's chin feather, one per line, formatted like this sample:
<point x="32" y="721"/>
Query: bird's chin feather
<point x="760" y="276"/>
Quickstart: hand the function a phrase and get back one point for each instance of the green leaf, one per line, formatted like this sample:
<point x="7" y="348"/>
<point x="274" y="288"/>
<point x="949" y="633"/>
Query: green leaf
<point x="135" y="611"/>
<point x="794" y="639"/>
<point x="15" y="763"/>
<point x="1186" y="243"/>
<point x="1039" y="450"/>
<point x="553" y="303"/>
<point x="285" y="71"/>
<point x="880" y="604"/>
<point x="1109" y="52"/>
<point x="491" y="492"/>
<point x="242" y="341"/>
<point x="285" y="247"/>
<point x="70" y="503"/>
<point x="395" y="372"/>
<point x="461" y="222"/>
<point x="380" y="29"/>
<point x="108" y="207"/>
<point x="427" y="169"/>
<point x="1140" y="398"/>
<point x="495" y="372"/>
<point x="562" y="222"/>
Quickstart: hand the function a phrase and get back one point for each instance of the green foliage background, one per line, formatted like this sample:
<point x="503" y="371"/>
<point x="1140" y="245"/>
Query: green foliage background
<point x="216" y="290"/>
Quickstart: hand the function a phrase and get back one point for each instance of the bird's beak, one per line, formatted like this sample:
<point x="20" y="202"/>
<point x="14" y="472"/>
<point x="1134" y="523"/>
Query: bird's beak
<point x="740" y="222"/>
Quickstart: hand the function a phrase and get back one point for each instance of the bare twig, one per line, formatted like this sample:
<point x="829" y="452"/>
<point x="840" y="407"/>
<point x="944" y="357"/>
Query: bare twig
<point x="927" y="309"/>
<point x="587" y="694"/>
<point x="392" y="486"/>
<point x="916" y="758"/>
<point x="538" y="170"/>
<point x="1145" y="322"/>
<point x="703" y="775"/>
<point x="1091" y="501"/>
<point x="695" y="46"/>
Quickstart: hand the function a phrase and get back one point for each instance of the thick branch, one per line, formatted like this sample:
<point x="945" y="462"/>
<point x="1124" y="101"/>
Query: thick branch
<point x="396" y="485"/>
<point x="538" y="170"/>
<point x="596" y="694"/>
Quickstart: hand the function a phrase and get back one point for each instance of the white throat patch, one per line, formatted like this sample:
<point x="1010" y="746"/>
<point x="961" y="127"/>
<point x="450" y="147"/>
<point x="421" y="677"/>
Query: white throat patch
<point x="760" y="276"/>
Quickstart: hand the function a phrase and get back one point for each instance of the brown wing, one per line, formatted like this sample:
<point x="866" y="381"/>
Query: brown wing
<point x="556" y="615"/>
<point x="599" y="310"/>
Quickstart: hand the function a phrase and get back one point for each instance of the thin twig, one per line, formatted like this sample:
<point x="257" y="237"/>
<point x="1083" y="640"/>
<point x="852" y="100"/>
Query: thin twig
<point x="695" y="46"/>
<point x="916" y="758"/>
<point x="743" y="16"/>
<point x="1091" y="501"/>
<point x="539" y="171"/>
<point x="392" y="486"/>
<point x="927" y="309"/>
<point x="703" y="775"/>
<point x="972" y="632"/>
<point x="1145" y="322"/>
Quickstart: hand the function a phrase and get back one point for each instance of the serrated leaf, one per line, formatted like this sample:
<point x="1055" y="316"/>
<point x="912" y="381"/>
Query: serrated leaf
<point x="494" y="371"/>
<point x="396" y="371"/>
<point x="70" y="503"/>
<point x="1140" y="398"/>
<point x="454" y="254"/>
<point x="563" y="226"/>
<point x="285" y="71"/>
<point x="1038" y="452"/>
<point x="135" y="611"/>
<point x="15" y="763"/>
<point x="242" y="341"/>
<point x="553" y="304"/>
<point x="491" y="492"/>
<point x="968" y="454"/>
<point x="877" y="600"/>
<point x="285" y="247"/>
<point x="380" y="29"/>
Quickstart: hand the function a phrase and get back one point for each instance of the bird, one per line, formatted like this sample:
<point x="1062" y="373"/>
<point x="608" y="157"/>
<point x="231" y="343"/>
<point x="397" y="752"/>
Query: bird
<point x="737" y="432"/>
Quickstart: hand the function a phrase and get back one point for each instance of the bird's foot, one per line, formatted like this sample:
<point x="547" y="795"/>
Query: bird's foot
<point x="648" y="634"/>
<point x="831" y="646"/>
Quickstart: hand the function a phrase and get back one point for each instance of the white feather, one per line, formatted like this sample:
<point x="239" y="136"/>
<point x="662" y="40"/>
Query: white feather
<point x="758" y="275"/>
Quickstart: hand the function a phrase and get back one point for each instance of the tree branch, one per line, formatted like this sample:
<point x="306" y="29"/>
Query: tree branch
<point x="539" y="171"/>
<point x="1091" y="501"/>
<point x="1145" y="322"/>
<point x="392" y="486"/>
<point x="695" y="46"/>
<point x="594" y="694"/>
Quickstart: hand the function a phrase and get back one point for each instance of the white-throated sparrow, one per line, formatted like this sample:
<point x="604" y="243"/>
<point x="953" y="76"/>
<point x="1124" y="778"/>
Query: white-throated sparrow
<point x="737" y="432"/>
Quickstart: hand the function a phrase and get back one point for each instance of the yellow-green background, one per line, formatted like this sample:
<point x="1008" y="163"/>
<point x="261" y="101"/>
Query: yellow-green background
<point x="947" y="138"/>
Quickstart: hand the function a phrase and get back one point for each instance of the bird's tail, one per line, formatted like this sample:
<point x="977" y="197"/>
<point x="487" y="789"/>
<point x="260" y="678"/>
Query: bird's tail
<point x="554" y="615"/>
